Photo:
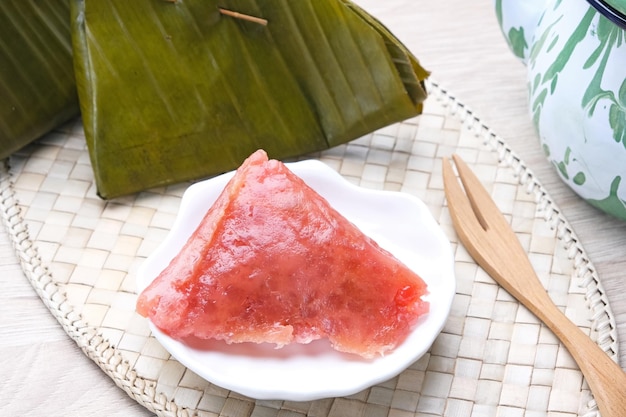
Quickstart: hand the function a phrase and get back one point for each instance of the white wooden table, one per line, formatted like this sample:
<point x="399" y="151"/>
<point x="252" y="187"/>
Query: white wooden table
<point x="460" y="42"/>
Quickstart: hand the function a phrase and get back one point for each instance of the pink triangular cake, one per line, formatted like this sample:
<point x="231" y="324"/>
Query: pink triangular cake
<point x="273" y="262"/>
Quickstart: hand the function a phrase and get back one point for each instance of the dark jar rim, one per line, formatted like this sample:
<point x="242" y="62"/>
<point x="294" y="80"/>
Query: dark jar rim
<point x="609" y="11"/>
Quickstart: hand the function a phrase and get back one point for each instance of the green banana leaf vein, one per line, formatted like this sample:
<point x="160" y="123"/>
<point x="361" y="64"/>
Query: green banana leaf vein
<point x="37" y="83"/>
<point x="176" y="90"/>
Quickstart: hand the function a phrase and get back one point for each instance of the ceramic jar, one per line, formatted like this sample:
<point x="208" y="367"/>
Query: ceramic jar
<point x="575" y="54"/>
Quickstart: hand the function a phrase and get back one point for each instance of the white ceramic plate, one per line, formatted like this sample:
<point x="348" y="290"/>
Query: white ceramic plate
<point x="397" y="221"/>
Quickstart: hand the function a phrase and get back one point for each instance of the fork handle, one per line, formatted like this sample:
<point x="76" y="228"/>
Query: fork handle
<point x="606" y="378"/>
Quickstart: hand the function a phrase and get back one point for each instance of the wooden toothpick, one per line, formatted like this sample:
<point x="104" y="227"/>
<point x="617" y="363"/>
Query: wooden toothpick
<point x="242" y="16"/>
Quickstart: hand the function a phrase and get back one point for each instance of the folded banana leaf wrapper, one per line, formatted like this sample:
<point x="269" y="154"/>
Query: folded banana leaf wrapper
<point x="37" y="86"/>
<point x="172" y="91"/>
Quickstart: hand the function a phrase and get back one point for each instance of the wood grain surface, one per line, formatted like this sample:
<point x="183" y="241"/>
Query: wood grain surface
<point x="45" y="374"/>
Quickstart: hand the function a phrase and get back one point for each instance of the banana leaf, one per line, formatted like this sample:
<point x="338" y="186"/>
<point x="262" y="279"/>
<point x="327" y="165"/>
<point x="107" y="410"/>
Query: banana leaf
<point x="37" y="83"/>
<point x="172" y="91"/>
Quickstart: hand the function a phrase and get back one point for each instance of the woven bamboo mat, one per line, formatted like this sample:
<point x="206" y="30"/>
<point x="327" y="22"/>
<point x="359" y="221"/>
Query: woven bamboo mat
<point x="493" y="357"/>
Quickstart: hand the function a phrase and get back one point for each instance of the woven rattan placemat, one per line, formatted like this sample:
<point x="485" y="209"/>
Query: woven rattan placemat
<point x="493" y="357"/>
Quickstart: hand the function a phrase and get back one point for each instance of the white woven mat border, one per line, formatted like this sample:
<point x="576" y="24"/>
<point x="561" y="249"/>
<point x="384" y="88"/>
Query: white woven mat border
<point x="96" y="347"/>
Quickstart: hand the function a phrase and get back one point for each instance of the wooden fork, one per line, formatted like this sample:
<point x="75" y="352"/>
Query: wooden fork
<point x="489" y="239"/>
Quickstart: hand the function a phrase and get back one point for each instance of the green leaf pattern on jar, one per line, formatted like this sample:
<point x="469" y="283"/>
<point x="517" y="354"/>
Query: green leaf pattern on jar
<point x="573" y="47"/>
<point x="550" y="77"/>
<point x="518" y="28"/>
<point x="610" y="37"/>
